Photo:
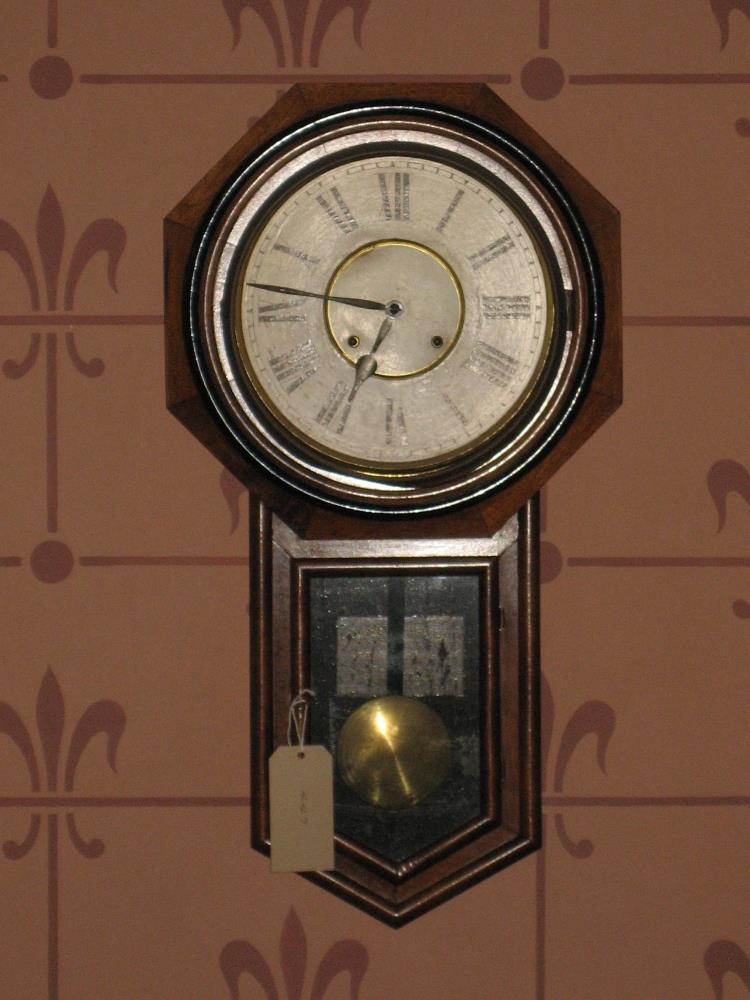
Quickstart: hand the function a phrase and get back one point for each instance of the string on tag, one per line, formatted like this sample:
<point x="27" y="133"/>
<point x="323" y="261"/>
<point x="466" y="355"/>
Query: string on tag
<point x="298" y="710"/>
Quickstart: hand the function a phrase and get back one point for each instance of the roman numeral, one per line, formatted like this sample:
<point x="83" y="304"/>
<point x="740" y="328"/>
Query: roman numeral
<point x="294" y="367"/>
<point x="455" y="409"/>
<point x="341" y="426"/>
<point x="491" y="363"/>
<point x="450" y="210"/>
<point x="395" y="424"/>
<point x="280" y="312"/>
<point x="333" y="401"/>
<point x="395" y="194"/>
<point x="490" y="252"/>
<point x="297" y="254"/>
<point x="506" y="306"/>
<point x="337" y="211"/>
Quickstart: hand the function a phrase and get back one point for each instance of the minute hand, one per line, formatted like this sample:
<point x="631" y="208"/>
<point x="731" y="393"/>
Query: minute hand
<point x="360" y="303"/>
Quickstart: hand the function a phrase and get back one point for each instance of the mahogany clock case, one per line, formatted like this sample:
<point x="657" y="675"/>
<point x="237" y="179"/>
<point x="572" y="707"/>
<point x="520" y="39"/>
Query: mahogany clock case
<point x="472" y="523"/>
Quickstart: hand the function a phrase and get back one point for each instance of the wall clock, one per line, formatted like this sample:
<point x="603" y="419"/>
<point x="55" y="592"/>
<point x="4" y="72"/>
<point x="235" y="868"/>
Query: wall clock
<point x="393" y="312"/>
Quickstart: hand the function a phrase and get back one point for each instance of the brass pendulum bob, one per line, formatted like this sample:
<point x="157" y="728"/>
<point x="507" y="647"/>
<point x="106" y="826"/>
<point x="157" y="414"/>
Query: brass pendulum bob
<point x="394" y="751"/>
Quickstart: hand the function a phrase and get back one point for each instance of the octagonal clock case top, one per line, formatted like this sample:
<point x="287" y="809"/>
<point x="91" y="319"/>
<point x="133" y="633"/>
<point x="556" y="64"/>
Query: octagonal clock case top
<point x="394" y="310"/>
<point x="393" y="316"/>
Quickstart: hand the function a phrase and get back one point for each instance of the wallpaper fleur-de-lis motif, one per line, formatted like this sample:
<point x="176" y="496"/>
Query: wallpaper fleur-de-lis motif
<point x="232" y="490"/>
<point x="592" y="718"/>
<point x="347" y="957"/>
<point x="100" y="236"/>
<point x="727" y="477"/>
<point x="721" y="11"/>
<point x="722" y="958"/>
<point x="724" y="478"/>
<point x="47" y="287"/>
<point x="106" y="717"/>
<point x="45" y="771"/>
<point x="288" y="38"/>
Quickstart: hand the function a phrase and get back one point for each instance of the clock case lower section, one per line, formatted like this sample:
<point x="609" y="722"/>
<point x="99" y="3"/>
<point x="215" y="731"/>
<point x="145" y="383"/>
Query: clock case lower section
<point x="506" y="825"/>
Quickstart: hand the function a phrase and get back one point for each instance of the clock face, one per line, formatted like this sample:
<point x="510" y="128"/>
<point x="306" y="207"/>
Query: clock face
<point x="462" y="329"/>
<point x="393" y="314"/>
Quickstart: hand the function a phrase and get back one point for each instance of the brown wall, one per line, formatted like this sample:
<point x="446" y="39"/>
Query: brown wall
<point x="125" y="868"/>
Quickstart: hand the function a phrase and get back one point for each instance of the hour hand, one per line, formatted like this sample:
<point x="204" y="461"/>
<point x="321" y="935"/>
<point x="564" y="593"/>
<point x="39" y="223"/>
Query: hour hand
<point x="367" y="364"/>
<point x="346" y="300"/>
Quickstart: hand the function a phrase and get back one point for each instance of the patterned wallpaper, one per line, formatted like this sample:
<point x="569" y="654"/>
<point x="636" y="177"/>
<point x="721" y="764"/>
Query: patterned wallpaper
<point x="125" y="870"/>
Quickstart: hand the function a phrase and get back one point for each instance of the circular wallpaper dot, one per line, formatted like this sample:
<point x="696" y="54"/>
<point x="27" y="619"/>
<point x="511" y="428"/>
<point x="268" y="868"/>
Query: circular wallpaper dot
<point x="51" y="77"/>
<point x="542" y="78"/>
<point x="550" y="562"/>
<point x="51" y="561"/>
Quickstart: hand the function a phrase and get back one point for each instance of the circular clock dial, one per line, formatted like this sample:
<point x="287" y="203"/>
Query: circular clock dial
<point x="461" y="332"/>
<point x="392" y="313"/>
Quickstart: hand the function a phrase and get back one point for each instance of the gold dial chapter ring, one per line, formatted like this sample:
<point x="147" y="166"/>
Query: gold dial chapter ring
<point x="422" y="294"/>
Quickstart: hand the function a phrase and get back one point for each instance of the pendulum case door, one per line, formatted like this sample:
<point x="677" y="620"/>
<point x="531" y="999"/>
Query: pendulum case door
<point x="421" y="656"/>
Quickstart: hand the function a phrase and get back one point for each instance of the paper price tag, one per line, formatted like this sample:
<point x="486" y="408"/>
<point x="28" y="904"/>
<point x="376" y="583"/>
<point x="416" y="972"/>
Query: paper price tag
<point x="301" y="800"/>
